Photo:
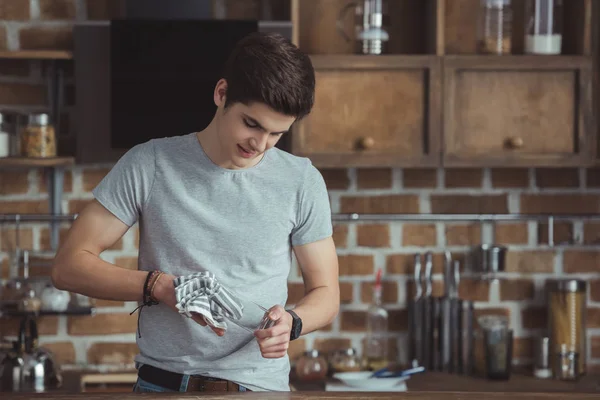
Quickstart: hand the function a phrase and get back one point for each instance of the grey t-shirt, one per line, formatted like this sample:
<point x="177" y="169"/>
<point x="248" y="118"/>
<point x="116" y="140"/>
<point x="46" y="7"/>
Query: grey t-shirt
<point x="240" y="224"/>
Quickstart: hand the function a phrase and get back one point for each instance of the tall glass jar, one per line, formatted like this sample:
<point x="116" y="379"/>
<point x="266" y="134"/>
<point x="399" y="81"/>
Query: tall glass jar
<point x="495" y="27"/>
<point x="543" y="29"/>
<point x="38" y="138"/>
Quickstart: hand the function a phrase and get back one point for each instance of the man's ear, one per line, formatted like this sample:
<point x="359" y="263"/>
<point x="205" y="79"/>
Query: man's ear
<point x="220" y="93"/>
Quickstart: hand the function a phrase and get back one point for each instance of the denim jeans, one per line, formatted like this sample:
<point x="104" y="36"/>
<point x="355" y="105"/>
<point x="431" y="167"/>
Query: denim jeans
<point x="141" y="386"/>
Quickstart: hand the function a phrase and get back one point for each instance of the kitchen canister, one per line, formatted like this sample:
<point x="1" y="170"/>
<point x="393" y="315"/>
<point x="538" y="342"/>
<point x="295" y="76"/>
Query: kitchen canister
<point x="567" y="306"/>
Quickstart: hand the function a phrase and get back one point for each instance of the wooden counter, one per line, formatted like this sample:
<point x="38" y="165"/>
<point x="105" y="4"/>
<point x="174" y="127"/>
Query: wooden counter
<point x="308" y="396"/>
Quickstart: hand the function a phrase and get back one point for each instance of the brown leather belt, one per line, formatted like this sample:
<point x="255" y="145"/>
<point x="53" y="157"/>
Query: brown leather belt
<point x="196" y="383"/>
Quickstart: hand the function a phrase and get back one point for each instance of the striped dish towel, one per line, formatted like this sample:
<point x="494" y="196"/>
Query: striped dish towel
<point x="203" y="294"/>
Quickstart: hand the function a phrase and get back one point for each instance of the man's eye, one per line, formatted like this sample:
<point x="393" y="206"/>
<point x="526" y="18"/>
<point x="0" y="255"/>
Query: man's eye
<point x="249" y="125"/>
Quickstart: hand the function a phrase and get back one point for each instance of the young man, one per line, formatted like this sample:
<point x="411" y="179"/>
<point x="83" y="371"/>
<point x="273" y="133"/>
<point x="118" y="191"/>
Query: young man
<point x="223" y="200"/>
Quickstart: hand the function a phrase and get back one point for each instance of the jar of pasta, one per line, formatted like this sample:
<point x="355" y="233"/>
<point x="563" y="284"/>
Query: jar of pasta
<point x="38" y="138"/>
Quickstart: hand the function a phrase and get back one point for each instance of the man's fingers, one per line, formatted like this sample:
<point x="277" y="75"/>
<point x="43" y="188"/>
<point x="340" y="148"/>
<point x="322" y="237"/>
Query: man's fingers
<point x="199" y="319"/>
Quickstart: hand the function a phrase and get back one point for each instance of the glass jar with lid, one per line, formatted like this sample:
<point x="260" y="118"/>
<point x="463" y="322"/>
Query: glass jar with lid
<point x="38" y="138"/>
<point x="495" y="27"/>
<point x="345" y="360"/>
<point x="311" y="366"/>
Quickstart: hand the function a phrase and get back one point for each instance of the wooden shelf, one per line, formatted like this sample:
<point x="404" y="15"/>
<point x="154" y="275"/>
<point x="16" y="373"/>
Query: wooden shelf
<point x="36" y="162"/>
<point x="37" y="55"/>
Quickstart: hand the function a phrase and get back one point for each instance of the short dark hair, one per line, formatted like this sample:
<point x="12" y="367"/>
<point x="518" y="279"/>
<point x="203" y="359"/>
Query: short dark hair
<point x="268" y="68"/>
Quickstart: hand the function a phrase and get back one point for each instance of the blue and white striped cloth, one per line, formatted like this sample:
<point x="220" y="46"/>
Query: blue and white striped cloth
<point x="201" y="293"/>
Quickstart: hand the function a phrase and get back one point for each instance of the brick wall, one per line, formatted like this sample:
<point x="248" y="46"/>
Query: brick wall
<point x="108" y="339"/>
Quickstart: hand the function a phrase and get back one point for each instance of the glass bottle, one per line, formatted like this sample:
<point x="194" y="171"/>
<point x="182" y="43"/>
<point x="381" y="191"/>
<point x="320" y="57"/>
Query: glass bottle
<point x="376" y="349"/>
<point x="38" y="138"/>
<point x="543" y="30"/>
<point x="495" y="27"/>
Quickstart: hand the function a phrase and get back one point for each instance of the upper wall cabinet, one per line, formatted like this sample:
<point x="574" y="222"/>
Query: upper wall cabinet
<point x="438" y="95"/>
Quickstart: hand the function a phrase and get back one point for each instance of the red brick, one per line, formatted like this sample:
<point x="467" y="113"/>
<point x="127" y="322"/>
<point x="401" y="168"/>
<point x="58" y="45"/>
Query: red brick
<point x="389" y="204"/>
<point x="463" y="178"/>
<point x="47" y="325"/>
<point x="511" y="233"/>
<point x="419" y="178"/>
<point x="575" y="203"/>
<point x="403" y="264"/>
<point x="22" y="94"/>
<point x="14" y="10"/>
<point x="43" y="182"/>
<point x="557" y="178"/>
<point x="463" y="235"/>
<point x="577" y="261"/>
<point x="469" y="204"/>
<point x="64" y="352"/>
<point x="523" y="347"/>
<point x="517" y="289"/>
<point x="510" y="178"/>
<point x="102" y="324"/>
<point x="373" y="235"/>
<point x="419" y="235"/>
<point x="398" y="320"/>
<point x="340" y="236"/>
<point x="563" y="232"/>
<point x="336" y="179"/>
<point x="8" y="241"/>
<point x="593" y="317"/>
<point x="3" y="41"/>
<point x="389" y="292"/>
<point x="12" y="67"/>
<point x="374" y="178"/>
<point x="527" y="262"/>
<point x="112" y="353"/>
<point x="595" y="290"/>
<point x="595" y="347"/>
<point x="355" y="264"/>
<point x="353" y="321"/>
<point x="593" y="177"/>
<point x="105" y="9"/>
<point x="437" y="288"/>
<point x="296" y="349"/>
<point x="57" y="9"/>
<point x="329" y="345"/>
<point x="474" y="289"/>
<point x="534" y="318"/>
<point x="591" y="232"/>
<point x="346" y="292"/>
<point x="46" y="38"/>
<point x="14" y="182"/>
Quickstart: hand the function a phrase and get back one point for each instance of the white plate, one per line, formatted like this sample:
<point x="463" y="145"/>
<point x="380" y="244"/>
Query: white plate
<point x="363" y="380"/>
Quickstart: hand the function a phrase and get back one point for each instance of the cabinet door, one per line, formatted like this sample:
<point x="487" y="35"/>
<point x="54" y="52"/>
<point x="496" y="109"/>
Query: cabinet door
<point x="521" y="110"/>
<point x="372" y="111"/>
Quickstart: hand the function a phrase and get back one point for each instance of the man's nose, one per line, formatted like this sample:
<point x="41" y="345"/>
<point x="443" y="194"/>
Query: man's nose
<point x="260" y="142"/>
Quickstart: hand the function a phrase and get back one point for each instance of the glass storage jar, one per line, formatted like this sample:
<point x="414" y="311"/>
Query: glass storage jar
<point x="38" y="138"/>
<point x="311" y="366"/>
<point x="345" y="361"/>
<point x="495" y="27"/>
<point x="543" y="29"/>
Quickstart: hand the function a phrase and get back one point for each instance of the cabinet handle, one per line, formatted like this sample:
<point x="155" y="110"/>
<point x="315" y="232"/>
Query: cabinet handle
<point x="515" y="142"/>
<point x="367" y="142"/>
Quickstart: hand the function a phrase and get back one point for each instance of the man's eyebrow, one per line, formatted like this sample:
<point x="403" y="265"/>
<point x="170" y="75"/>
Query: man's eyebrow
<point x="258" y="124"/>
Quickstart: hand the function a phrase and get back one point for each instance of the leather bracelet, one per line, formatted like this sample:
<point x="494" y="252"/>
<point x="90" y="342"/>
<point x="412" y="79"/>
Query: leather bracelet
<point x="153" y="285"/>
<point x="146" y="293"/>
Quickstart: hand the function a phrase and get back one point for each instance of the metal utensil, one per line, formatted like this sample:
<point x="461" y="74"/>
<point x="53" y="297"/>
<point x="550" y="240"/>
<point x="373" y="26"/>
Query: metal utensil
<point x="415" y="316"/>
<point x="456" y="331"/>
<point x="428" y="314"/>
<point x="445" y="316"/>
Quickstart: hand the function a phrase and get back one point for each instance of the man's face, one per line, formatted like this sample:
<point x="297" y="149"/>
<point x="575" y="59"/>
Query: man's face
<point x="245" y="132"/>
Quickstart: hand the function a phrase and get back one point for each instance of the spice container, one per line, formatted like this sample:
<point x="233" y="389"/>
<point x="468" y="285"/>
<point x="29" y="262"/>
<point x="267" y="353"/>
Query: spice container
<point x="345" y="361"/>
<point x="567" y="323"/>
<point x="311" y="366"/>
<point x="38" y="138"/>
<point x="495" y="27"/>
<point x="542" y="368"/>
<point x="543" y="30"/>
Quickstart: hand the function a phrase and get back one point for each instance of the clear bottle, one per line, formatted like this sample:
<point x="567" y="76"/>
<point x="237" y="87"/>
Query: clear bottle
<point x="543" y="32"/>
<point x="376" y="348"/>
<point x="495" y="27"/>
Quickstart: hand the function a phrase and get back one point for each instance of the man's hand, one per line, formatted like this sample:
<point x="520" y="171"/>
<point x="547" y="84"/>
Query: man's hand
<point x="164" y="292"/>
<point x="274" y="341"/>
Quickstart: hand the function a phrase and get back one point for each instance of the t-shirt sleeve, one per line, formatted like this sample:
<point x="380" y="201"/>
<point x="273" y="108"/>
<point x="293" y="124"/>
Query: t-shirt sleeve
<point x="314" y="212"/>
<point x="127" y="186"/>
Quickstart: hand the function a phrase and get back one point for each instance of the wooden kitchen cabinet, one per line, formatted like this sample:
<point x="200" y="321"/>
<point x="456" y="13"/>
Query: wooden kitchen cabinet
<point x="518" y="110"/>
<point x="372" y="111"/>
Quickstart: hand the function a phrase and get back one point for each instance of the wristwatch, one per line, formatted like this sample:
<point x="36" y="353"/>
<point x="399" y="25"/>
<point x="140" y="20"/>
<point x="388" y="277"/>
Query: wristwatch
<point x="296" y="325"/>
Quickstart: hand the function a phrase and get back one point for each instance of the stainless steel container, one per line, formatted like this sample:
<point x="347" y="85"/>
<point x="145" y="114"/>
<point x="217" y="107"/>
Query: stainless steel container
<point x="488" y="260"/>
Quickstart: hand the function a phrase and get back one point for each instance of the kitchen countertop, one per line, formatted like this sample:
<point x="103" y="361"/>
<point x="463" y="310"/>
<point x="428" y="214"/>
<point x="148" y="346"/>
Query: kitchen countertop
<point x="308" y="396"/>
